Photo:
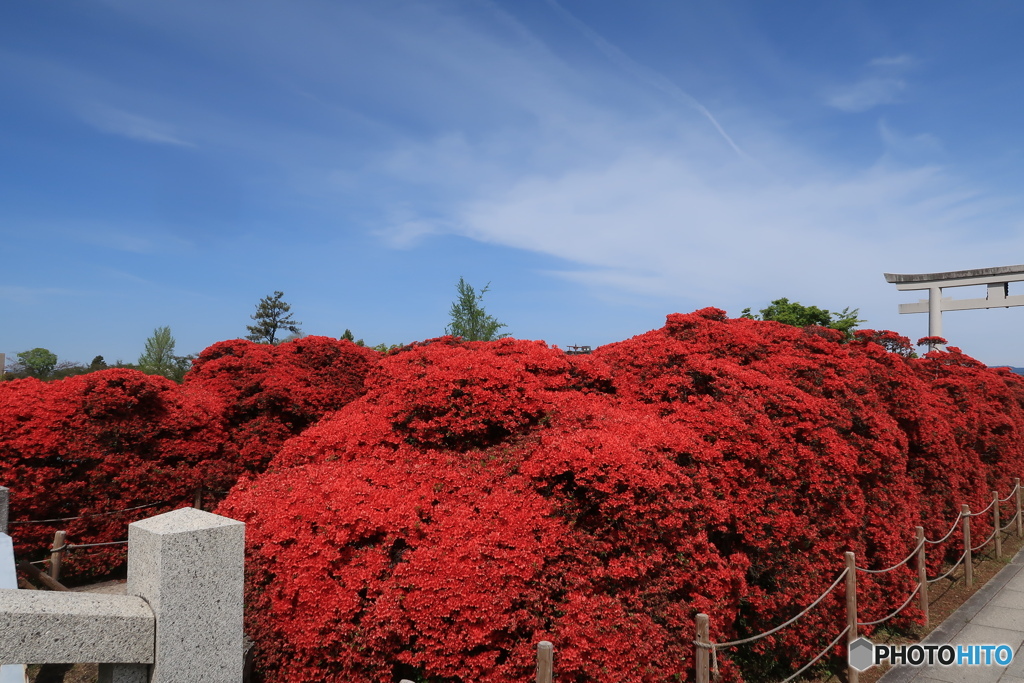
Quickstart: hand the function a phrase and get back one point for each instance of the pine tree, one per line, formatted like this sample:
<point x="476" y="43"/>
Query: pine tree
<point x="272" y="314"/>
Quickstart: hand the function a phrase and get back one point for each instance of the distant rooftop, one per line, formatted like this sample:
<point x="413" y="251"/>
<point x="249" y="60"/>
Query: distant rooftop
<point x="897" y="278"/>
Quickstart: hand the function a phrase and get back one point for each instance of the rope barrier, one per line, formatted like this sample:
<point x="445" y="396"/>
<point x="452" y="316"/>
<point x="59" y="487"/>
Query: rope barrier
<point x="821" y="597"/>
<point x="714" y="655"/>
<point x="897" y="566"/>
<point x="957" y="564"/>
<point x="1014" y="491"/>
<point x="94" y="514"/>
<point x="956" y="523"/>
<point x="985" y="542"/>
<point x="872" y="623"/>
<point x="820" y="655"/>
<point x="714" y="647"/>
<point x="1013" y="520"/>
<point x="981" y="512"/>
<point x="73" y="546"/>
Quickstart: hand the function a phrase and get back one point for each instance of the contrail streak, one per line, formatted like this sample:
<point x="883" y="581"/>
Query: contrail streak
<point x="652" y="78"/>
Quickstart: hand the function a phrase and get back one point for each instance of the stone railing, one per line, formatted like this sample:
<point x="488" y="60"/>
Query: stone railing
<point x="180" y="621"/>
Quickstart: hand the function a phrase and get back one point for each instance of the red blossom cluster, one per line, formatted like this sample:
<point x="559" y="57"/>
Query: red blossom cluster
<point x="433" y="513"/>
<point x="90" y="446"/>
<point x="271" y="393"/>
<point x="481" y="497"/>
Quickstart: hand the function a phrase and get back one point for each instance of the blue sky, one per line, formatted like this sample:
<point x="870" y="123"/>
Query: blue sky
<point x="600" y="163"/>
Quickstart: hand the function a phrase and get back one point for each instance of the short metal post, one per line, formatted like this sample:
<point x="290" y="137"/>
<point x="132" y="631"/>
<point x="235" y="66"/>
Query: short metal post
<point x="922" y="572"/>
<point x="852" y="675"/>
<point x="545" y="661"/>
<point x="996" y="524"/>
<point x="703" y="639"/>
<point x="57" y="554"/>
<point x="1020" y="520"/>
<point x="965" y="513"/>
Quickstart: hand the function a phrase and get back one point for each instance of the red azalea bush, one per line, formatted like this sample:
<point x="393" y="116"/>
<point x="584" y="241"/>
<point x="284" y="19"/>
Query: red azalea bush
<point x="433" y="513"/>
<point x="272" y="393"/>
<point x="117" y="439"/>
<point x="483" y="496"/>
<point x="93" y="444"/>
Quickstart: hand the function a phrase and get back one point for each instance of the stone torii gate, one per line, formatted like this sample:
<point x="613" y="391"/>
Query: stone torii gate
<point x="996" y="279"/>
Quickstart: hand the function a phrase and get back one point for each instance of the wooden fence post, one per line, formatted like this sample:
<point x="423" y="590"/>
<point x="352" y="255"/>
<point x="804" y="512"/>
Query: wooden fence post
<point x="997" y="524"/>
<point x="57" y="554"/>
<point x="703" y="669"/>
<point x="545" y="661"/>
<point x="965" y="511"/>
<point x="197" y="499"/>
<point x="922" y="572"/>
<point x="852" y="675"/>
<point x="1020" y="521"/>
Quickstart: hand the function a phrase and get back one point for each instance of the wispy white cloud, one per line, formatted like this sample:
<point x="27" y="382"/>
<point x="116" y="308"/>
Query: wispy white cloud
<point x="901" y="61"/>
<point x="909" y="147"/>
<point x="34" y="296"/>
<point x="118" y="122"/>
<point x="867" y="94"/>
<point x="884" y="84"/>
<point x="488" y="134"/>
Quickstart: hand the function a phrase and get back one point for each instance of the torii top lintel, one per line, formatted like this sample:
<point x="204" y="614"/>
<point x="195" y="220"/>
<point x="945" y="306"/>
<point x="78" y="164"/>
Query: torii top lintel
<point x="956" y="278"/>
<point x="998" y="295"/>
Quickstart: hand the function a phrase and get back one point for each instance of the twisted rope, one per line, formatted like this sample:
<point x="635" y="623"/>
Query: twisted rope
<point x="73" y="546"/>
<point x="1003" y="500"/>
<point x="872" y="623"/>
<point x="897" y="566"/>
<point x="714" y="655"/>
<point x="956" y="523"/>
<point x="821" y="597"/>
<point x="820" y="655"/>
<point x="985" y="542"/>
<point x="981" y="512"/>
<point x="94" y="514"/>
<point x="957" y="564"/>
<point x="1013" y="520"/>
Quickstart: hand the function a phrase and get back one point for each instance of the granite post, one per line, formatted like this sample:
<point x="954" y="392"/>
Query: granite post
<point x="10" y="673"/>
<point x="5" y="499"/>
<point x="188" y="565"/>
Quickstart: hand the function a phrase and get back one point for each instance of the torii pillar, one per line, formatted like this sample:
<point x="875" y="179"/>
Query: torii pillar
<point x="996" y="279"/>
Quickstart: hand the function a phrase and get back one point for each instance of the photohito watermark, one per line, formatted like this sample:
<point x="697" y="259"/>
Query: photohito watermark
<point x="864" y="654"/>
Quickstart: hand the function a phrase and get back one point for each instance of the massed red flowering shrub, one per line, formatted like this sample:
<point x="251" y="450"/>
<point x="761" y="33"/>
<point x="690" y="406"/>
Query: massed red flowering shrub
<point x="271" y="393"/>
<point x="90" y="446"/>
<point x="483" y="496"/>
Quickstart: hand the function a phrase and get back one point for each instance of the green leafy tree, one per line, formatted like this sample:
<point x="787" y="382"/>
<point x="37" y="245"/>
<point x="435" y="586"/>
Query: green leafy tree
<point x="352" y="338"/>
<point x="182" y="364"/>
<point x="158" y="356"/>
<point x="38" y="362"/>
<point x="272" y="315"/>
<point x="796" y="314"/>
<point x="98" y="364"/>
<point x="469" y="320"/>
